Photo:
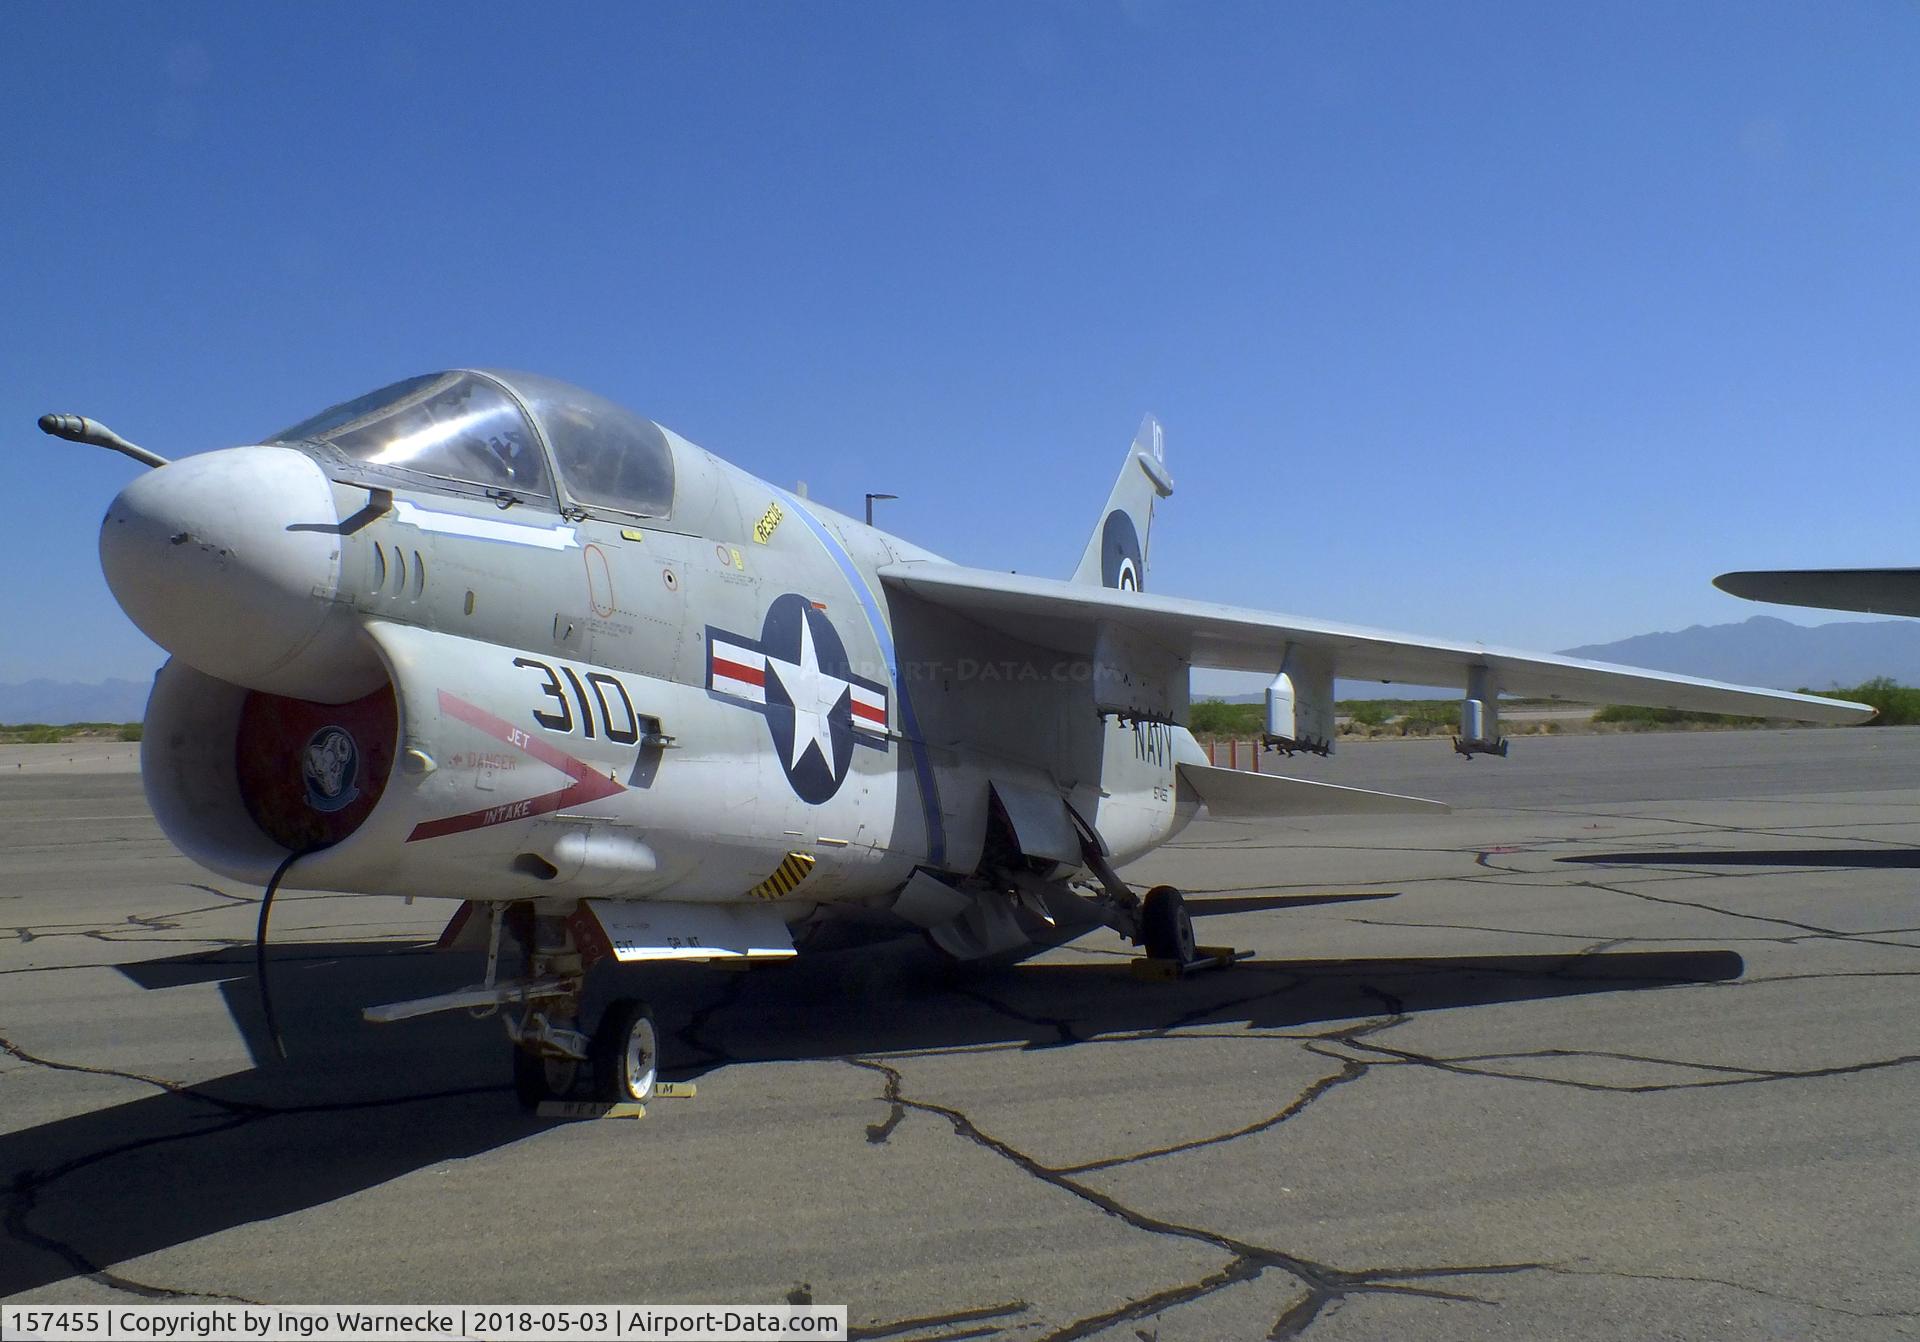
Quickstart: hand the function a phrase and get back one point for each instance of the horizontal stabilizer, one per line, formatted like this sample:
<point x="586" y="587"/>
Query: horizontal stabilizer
<point x="1235" y="794"/>
<point x="1878" y="591"/>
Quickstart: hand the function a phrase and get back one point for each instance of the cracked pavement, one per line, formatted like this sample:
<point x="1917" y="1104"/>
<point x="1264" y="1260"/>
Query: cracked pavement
<point x="1623" y="1048"/>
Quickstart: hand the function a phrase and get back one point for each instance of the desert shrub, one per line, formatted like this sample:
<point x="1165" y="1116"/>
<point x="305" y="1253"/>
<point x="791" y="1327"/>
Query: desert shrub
<point x="1211" y="717"/>
<point x="1899" y="704"/>
<point x="1637" y="715"/>
<point x="1434" y="715"/>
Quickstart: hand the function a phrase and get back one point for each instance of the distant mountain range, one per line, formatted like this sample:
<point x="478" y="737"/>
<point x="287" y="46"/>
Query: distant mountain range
<point x="1768" y="651"/>
<point x="55" y="701"/>
<point x="1759" y="651"/>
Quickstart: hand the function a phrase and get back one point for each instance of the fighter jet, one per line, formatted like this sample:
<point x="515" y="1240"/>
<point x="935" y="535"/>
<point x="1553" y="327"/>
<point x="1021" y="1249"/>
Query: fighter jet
<point x="489" y="637"/>
<point x="1878" y="591"/>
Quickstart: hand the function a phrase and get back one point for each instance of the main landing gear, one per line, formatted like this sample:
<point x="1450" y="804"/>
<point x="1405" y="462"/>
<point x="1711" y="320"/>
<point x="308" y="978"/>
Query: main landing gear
<point x="1166" y="928"/>
<point x="1159" y="923"/>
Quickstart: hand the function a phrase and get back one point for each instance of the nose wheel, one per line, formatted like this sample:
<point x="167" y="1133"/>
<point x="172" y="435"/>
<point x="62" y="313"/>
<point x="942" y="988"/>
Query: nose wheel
<point x="1166" y="928"/>
<point x="626" y="1053"/>
<point x="621" y="1064"/>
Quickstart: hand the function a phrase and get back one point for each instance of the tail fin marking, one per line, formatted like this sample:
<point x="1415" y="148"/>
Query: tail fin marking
<point x="1116" y="554"/>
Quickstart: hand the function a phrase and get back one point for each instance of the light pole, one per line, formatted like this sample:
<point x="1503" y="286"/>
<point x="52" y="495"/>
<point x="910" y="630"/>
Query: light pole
<point x="870" y="499"/>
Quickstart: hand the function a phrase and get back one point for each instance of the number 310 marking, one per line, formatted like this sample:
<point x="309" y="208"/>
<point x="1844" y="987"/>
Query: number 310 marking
<point x="626" y="732"/>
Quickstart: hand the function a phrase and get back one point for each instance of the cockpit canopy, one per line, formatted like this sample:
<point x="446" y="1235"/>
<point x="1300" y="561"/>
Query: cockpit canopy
<point x="504" y="434"/>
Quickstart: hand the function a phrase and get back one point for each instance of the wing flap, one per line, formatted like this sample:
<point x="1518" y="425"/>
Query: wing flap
<point x="1067" y="617"/>
<point x="1235" y="794"/>
<point x="658" y="929"/>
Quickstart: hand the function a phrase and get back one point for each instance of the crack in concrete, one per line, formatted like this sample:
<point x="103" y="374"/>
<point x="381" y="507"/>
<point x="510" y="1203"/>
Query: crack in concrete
<point x="1645" y="941"/>
<point x="1723" y="827"/>
<point x="1811" y="930"/>
<point x="1740" y="1076"/>
<point x="1351" y="1069"/>
<point x="1325" y="1287"/>
<point x="23" y="1193"/>
<point x="161" y="1083"/>
<point x="1565" y="1270"/>
<point x="1323" y="1284"/>
<point x="869" y="1332"/>
<point x="169" y="921"/>
<point x="1064" y="1032"/>
<point x="1291" y="983"/>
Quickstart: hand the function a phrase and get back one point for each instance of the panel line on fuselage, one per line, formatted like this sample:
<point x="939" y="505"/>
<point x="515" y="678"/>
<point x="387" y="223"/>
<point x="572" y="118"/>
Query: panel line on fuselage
<point x="909" y="723"/>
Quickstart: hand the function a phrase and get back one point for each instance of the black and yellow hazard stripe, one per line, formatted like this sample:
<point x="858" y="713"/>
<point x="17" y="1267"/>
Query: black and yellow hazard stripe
<point x="796" y="868"/>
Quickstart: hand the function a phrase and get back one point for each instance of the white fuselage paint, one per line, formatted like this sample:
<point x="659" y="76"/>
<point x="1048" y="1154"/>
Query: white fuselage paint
<point x="527" y="654"/>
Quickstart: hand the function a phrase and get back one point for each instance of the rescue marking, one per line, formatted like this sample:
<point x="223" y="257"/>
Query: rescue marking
<point x="795" y="869"/>
<point x="763" y="529"/>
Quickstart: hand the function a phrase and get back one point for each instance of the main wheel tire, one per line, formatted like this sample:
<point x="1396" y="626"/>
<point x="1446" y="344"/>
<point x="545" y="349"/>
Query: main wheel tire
<point x="538" y="1078"/>
<point x="626" y="1053"/>
<point x="1166" y="928"/>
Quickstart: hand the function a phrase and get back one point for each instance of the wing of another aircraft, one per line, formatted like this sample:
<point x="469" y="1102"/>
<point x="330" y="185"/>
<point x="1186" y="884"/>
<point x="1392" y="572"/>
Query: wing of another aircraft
<point x="1878" y="591"/>
<point x="1069" y="617"/>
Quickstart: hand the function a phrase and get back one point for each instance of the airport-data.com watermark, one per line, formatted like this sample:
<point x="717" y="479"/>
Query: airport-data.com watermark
<point x="410" y="1323"/>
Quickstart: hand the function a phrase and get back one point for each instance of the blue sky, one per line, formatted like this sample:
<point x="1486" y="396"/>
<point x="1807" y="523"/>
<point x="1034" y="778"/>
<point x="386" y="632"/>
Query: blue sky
<point x="1513" y="322"/>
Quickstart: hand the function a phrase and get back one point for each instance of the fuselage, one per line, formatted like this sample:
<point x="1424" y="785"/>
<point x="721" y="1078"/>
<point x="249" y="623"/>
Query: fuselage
<point x="506" y="688"/>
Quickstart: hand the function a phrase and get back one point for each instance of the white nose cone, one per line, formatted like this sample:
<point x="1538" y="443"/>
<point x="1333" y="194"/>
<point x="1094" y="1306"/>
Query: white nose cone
<point x="230" y="561"/>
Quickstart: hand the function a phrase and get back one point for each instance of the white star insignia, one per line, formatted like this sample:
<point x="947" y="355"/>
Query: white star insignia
<point x="815" y="694"/>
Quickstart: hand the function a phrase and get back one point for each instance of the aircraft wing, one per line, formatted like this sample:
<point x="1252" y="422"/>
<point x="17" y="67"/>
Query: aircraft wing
<point x="1066" y="616"/>
<point x="1240" y="794"/>
<point x="1880" y="591"/>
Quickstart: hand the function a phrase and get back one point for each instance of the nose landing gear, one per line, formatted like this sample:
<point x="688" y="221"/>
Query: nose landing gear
<point x="554" y="1058"/>
<point x="618" y="1064"/>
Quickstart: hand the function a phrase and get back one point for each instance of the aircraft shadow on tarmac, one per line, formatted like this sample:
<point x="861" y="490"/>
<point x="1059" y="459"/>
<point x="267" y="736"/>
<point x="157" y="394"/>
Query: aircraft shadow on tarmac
<point x="357" y="1105"/>
<point x="1202" y="907"/>
<point x="1771" y="857"/>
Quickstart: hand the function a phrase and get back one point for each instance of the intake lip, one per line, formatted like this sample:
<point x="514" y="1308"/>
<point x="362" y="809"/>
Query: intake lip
<point x="229" y="560"/>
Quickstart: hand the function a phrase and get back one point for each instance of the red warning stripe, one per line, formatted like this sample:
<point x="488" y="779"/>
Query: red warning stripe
<point x="589" y="784"/>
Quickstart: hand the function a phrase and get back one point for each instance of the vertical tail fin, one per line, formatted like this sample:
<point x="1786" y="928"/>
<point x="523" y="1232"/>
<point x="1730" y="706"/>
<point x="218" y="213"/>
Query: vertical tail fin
<point x="1116" y="556"/>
